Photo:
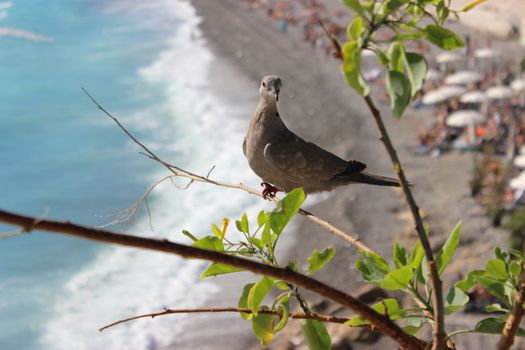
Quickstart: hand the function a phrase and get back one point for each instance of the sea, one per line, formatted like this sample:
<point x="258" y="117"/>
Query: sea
<point x="61" y="158"/>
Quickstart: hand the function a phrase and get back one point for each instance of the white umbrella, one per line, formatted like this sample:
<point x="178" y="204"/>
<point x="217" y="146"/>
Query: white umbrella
<point x="463" y="78"/>
<point x="473" y="97"/>
<point x="433" y="75"/>
<point x="500" y="92"/>
<point x="486" y="52"/>
<point x="460" y="119"/>
<point x="449" y="57"/>
<point x="442" y="94"/>
<point x="518" y="183"/>
<point x="519" y="161"/>
<point x="518" y="85"/>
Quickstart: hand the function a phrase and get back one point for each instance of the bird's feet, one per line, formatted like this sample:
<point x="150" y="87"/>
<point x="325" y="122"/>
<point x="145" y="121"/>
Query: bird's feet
<point x="268" y="191"/>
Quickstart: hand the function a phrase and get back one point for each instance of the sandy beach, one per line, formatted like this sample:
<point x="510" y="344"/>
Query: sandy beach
<point x="317" y="104"/>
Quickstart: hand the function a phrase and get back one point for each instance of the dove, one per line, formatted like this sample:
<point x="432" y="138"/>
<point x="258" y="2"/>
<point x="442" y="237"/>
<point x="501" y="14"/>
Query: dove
<point x="285" y="161"/>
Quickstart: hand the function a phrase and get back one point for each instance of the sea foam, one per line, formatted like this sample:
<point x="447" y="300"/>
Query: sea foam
<point x="195" y="125"/>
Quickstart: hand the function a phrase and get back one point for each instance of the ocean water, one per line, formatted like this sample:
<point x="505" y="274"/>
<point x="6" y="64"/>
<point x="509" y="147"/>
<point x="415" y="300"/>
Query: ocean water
<point x="146" y="62"/>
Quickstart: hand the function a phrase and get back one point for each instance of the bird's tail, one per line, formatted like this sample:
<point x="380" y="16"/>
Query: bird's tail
<point x="375" y="179"/>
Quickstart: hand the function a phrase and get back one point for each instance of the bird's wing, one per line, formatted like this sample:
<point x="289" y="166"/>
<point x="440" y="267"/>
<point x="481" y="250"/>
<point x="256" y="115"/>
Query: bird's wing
<point x="305" y="161"/>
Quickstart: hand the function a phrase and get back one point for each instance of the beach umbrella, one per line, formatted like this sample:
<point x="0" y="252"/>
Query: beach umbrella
<point x="463" y="118"/>
<point x="473" y="97"/>
<point x="449" y="57"/>
<point x="519" y="161"/>
<point x="518" y="183"/>
<point x="463" y="78"/>
<point x="518" y="85"/>
<point x="442" y="94"/>
<point x="486" y="52"/>
<point x="500" y="92"/>
<point x="433" y="75"/>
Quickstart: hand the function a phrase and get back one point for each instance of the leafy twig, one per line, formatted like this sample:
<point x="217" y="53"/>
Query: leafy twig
<point x="513" y="321"/>
<point x="378" y="321"/>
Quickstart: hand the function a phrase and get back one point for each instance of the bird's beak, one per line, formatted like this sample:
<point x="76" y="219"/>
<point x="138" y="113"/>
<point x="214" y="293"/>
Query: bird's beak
<point x="275" y="92"/>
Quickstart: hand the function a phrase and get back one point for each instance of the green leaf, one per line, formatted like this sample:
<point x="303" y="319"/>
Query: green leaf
<point x="495" y="308"/>
<point x="493" y="286"/>
<point x="373" y="267"/>
<point x="266" y="237"/>
<point x="496" y="268"/>
<point x="215" y="269"/>
<point x="397" y="279"/>
<point x="417" y="255"/>
<point x="316" y="335"/>
<point x="258" y="292"/>
<point x="286" y="209"/>
<point x="447" y="251"/>
<point x="400" y="255"/>
<point x="189" y="235"/>
<point x="244" y="224"/>
<point x="417" y="68"/>
<point x="469" y="281"/>
<point x="262" y="218"/>
<point x="455" y="300"/>
<point x="284" y="308"/>
<point x="356" y="28"/>
<point x="515" y="269"/>
<point x="209" y="243"/>
<point x="471" y="5"/>
<point x="396" y="53"/>
<point x="389" y="307"/>
<point x="398" y="88"/>
<point x="256" y="242"/>
<point x="216" y="231"/>
<point x="318" y="260"/>
<point x="413" y="324"/>
<point x="442" y="37"/>
<point x="355" y="5"/>
<point x="516" y="252"/>
<point x="352" y="68"/>
<point x="493" y="325"/>
<point x="262" y="326"/>
<point x="393" y="5"/>
<point x="243" y="301"/>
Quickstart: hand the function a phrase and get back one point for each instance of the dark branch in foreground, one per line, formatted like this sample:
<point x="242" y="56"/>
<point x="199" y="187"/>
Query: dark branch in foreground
<point x="177" y="171"/>
<point x="296" y="315"/>
<point x="378" y="321"/>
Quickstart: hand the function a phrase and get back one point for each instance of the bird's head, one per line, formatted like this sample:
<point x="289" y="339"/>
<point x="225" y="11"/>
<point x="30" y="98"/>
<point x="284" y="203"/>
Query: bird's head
<point x="270" y="88"/>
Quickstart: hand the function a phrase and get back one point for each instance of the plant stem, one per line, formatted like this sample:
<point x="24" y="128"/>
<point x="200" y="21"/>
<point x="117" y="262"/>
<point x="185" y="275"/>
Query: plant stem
<point x="513" y="322"/>
<point x="439" y="329"/>
<point x="378" y="321"/>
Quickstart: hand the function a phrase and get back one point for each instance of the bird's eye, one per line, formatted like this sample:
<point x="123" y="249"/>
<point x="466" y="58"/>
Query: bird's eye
<point x="264" y="84"/>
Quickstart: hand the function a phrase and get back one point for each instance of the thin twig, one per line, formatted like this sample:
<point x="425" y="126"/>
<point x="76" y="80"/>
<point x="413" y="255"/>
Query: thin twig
<point x="513" y="321"/>
<point x="177" y="171"/>
<point x="378" y="321"/>
<point x="293" y="315"/>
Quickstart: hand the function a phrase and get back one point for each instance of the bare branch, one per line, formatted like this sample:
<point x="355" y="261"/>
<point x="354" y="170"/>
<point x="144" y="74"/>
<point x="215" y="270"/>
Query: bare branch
<point x="513" y="322"/>
<point x="177" y="171"/>
<point x="378" y="321"/>
<point x="296" y="315"/>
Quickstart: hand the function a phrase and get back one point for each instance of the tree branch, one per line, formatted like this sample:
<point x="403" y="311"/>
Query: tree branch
<point x="296" y="315"/>
<point x="177" y="171"/>
<point x="378" y="321"/>
<point x="439" y="321"/>
<point x="513" y="322"/>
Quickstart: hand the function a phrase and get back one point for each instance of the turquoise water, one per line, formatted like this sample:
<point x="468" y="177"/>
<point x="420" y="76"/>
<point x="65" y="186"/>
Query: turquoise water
<point x="146" y="62"/>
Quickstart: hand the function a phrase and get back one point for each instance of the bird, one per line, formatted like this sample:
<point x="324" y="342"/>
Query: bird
<point x="285" y="161"/>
